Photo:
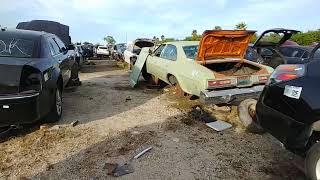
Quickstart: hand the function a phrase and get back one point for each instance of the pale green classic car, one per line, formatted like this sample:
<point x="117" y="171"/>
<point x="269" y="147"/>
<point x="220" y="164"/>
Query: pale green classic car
<point x="213" y="68"/>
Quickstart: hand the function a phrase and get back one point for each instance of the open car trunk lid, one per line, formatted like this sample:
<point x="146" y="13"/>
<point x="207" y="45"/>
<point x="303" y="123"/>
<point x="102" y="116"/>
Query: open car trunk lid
<point x="220" y="44"/>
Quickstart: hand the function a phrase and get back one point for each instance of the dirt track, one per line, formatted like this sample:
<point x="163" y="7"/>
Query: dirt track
<point x="116" y="121"/>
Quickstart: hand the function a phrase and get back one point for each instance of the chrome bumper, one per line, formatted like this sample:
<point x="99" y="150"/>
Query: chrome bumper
<point x="230" y="95"/>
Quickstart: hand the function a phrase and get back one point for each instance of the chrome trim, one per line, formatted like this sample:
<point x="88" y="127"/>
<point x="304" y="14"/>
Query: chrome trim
<point x="19" y="96"/>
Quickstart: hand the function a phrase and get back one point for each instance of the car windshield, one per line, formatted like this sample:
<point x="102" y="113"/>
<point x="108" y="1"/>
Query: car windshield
<point x="190" y="51"/>
<point x="103" y="48"/>
<point x="15" y="47"/>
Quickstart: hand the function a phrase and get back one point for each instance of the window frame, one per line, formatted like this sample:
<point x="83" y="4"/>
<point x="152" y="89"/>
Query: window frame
<point x="168" y="58"/>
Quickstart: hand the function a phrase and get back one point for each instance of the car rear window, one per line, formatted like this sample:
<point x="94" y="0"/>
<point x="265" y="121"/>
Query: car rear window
<point x="16" y="47"/>
<point x="102" y="47"/>
<point x="191" y="51"/>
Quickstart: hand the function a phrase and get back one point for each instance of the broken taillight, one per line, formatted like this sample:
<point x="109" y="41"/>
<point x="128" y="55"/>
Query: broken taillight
<point x="286" y="72"/>
<point x="31" y="79"/>
<point x="219" y="83"/>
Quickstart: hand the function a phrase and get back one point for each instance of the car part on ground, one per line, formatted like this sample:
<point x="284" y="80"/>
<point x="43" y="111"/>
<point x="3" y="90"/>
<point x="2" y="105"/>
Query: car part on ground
<point x="30" y="76"/>
<point x="213" y="68"/>
<point x="289" y="107"/>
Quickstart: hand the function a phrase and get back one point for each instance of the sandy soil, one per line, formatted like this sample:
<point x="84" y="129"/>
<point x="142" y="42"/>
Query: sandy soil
<point x="116" y="121"/>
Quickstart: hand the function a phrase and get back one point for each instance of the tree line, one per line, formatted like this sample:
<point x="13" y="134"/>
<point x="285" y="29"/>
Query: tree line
<point x="302" y="38"/>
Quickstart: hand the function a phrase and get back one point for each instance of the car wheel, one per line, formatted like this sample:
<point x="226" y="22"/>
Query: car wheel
<point x="56" y="110"/>
<point x="177" y="88"/>
<point x="312" y="162"/>
<point x="74" y="79"/>
<point x="246" y="113"/>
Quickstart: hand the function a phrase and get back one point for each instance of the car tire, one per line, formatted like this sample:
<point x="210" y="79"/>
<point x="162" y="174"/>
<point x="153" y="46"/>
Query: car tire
<point x="74" y="79"/>
<point x="312" y="162"/>
<point x="56" y="110"/>
<point x="246" y="117"/>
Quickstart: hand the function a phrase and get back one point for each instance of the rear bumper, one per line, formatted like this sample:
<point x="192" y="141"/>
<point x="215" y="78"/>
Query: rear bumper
<point x="225" y="96"/>
<point x="19" y="109"/>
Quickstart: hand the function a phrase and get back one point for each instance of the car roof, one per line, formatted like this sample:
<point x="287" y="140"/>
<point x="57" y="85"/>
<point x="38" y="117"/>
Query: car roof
<point x="25" y="34"/>
<point x="184" y="43"/>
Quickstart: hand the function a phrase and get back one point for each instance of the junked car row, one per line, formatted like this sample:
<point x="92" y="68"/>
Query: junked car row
<point x="221" y="68"/>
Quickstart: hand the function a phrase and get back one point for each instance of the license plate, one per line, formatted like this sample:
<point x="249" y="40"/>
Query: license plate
<point x="243" y="80"/>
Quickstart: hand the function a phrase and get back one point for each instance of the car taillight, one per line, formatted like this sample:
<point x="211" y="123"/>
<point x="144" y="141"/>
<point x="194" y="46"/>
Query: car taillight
<point x="263" y="78"/>
<point x="286" y="72"/>
<point x="219" y="83"/>
<point x="31" y="79"/>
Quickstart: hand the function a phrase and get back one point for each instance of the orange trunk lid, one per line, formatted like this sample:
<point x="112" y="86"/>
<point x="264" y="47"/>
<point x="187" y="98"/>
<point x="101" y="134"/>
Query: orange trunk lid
<point x="220" y="44"/>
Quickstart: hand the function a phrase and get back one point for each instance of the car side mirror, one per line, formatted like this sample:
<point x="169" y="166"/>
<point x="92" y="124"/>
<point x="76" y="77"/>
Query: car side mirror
<point x="71" y="47"/>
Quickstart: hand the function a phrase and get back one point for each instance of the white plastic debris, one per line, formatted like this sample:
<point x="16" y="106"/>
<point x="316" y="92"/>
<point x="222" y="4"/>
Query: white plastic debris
<point x="219" y="125"/>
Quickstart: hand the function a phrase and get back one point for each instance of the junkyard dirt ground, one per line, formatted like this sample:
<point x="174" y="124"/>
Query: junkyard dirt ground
<point x="115" y="121"/>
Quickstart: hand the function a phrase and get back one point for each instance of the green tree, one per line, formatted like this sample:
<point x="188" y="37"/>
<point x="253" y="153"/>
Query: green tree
<point x="241" y="26"/>
<point x="109" y="40"/>
<point x="194" y="36"/>
<point x="217" y="28"/>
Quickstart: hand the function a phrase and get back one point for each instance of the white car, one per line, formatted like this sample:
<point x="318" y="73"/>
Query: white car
<point x="103" y="51"/>
<point x="133" y="50"/>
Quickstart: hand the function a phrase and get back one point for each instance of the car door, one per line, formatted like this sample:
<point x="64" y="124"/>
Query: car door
<point x="167" y="61"/>
<point x="153" y="61"/>
<point x="67" y="58"/>
<point x="59" y="58"/>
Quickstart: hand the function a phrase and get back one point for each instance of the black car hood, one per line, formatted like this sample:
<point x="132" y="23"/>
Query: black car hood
<point x="287" y="35"/>
<point x="10" y="74"/>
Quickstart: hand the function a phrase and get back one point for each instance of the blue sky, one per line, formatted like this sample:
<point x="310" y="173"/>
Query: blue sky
<point x="91" y="20"/>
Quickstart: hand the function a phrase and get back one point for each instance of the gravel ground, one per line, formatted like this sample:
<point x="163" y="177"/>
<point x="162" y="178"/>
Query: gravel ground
<point x="116" y="121"/>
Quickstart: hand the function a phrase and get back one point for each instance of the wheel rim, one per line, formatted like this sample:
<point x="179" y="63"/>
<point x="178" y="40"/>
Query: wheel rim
<point x="58" y="102"/>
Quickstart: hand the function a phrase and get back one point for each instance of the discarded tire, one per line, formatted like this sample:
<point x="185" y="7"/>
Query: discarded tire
<point x="246" y="119"/>
<point x="312" y="162"/>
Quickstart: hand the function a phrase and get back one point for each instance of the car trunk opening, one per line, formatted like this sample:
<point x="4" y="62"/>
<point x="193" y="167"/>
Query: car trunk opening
<point x="232" y="68"/>
<point x="141" y="44"/>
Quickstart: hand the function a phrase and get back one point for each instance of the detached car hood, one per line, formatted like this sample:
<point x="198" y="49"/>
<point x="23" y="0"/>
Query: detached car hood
<point x="217" y="44"/>
<point x="287" y="34"/>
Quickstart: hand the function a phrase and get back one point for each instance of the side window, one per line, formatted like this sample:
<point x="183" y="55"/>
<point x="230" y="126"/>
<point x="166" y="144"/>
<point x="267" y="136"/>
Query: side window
<point x="158" y="51"/>
<point x="54" y="48"/>
<point x="60" y="44"/>
<point x="170" y="52"/>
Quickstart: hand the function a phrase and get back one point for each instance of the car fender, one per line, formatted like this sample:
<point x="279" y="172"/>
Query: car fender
<point x="192" y="79"/>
